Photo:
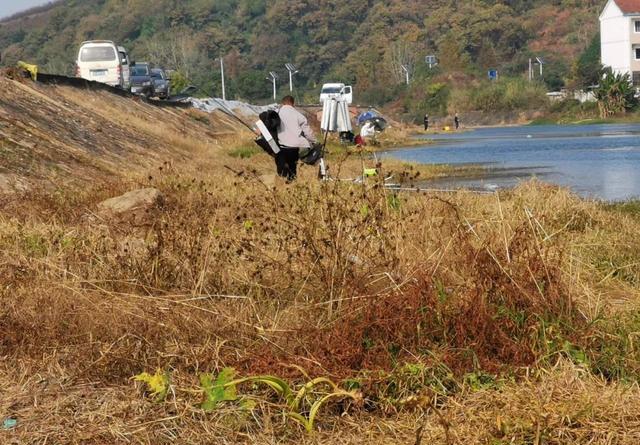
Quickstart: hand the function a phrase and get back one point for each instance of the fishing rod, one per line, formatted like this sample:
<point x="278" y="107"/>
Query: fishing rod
<point x="231" y="114"/>
<point x="223" y="108"/>
<point x="431" y="190"/>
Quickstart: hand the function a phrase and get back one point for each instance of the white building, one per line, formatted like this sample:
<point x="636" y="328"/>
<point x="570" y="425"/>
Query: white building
<point x="620" y="37"/>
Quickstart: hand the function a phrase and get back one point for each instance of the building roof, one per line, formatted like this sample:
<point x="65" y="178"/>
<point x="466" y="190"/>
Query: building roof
<point x="628" y="6"/>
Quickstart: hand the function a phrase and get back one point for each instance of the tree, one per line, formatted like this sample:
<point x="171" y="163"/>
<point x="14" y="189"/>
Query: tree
<point x="402" y="54"/>
<point x="178" y="52"/>
<point x="452" y="54"/>
<point x="251" y="85"/>
<point x="587" y="70"/>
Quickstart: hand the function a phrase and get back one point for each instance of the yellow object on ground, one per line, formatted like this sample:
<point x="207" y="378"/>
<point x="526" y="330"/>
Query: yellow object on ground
<point x="447" y="128"/>
<point x="369" y="172"/>
<point x="33" y="69"/>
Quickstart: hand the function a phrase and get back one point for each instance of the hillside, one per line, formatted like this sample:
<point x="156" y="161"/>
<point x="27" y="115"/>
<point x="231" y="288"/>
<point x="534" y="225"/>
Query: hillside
<point x="358" y="42"/>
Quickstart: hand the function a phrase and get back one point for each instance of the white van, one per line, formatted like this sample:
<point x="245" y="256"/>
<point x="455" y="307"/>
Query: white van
<point x="102" y="61"/>
<point x="331" y="90"/>
<point x="126" y="67"/>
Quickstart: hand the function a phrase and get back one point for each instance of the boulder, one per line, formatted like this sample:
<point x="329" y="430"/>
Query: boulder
<point x="137" y="206"/>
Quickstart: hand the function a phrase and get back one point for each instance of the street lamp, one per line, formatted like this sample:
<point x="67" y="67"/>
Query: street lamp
<point x="541" y="62"/>
<point x="273" y="76"/>
<point x="406" y="71"/>
<point x="538" y="61"/>
<point x="292" y="70"/>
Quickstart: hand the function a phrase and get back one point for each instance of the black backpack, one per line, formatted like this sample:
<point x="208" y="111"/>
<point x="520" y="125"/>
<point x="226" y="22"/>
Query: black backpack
<point x="271" y="120"/>
<point x="313" y="154"/>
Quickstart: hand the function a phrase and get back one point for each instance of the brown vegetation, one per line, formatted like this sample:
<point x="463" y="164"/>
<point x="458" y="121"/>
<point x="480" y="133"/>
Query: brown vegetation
<point x="461" y="318"/>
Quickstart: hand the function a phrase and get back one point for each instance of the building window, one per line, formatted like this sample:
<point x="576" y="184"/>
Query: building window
<point x="637" y="25"/>
<point x="635" y="78"/>
<point x="636" y="51"/>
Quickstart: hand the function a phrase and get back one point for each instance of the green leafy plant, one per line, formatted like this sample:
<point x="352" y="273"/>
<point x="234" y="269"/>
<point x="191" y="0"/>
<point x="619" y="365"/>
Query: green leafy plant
<point x="223" y="388"/>
<point x="157" y="384"/>
<point x="218" y="390"/>
<point x="480" y="380"/>
<point x="575" y="353"/>
<point x="308" y="422"/>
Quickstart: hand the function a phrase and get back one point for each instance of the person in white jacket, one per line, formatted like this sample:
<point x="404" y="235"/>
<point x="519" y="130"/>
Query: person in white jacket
<point x="368" y="130"/>
<point x="294" y="133"/>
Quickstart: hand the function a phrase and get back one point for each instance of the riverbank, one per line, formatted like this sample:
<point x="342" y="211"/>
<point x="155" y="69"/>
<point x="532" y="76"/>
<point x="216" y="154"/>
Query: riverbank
<point x="130" y="303"/>
<point x="575" y="113"/>
<point x="632" y="118"/>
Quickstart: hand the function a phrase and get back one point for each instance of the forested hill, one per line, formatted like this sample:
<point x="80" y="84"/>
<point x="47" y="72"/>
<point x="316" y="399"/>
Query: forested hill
<point x="359" y="42"/>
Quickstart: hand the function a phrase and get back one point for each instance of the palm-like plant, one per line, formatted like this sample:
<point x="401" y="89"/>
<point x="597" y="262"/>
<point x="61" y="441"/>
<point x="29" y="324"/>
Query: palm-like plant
<point x="615" y="94"/>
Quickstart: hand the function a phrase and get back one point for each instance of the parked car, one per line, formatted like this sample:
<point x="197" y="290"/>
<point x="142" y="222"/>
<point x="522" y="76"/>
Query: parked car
<point x="331" y="90"/>
<point x="141" y="80"/>
<point x="102" y="61"/>
<point x="161" y="84"/>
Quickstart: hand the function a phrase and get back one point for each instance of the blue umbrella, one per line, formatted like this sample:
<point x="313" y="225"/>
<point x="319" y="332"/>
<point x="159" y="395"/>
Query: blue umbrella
<point x="367" y="115"/>
<point x="379" y="123"/>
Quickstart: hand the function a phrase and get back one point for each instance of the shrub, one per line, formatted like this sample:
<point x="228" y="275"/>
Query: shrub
<point x="615" y="94"/>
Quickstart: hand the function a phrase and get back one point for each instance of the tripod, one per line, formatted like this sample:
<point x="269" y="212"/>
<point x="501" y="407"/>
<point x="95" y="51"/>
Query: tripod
<point x="335" y="118"/>
<point x="323" y="171"/>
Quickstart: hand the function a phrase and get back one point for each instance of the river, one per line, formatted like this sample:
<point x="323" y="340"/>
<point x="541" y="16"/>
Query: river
<point x="596" y="161"/>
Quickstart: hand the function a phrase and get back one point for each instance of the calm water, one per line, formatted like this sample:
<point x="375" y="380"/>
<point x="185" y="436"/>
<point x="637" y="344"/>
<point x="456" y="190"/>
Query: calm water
<point x="596" y="161"/>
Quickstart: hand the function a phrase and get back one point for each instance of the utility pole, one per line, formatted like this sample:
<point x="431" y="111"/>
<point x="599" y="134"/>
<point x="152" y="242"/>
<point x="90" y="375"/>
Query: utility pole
<point x="292" y="70"/>
<point x="224" y="91"/>
<point x="273" y="76"/>
<point x="530" y="70"/>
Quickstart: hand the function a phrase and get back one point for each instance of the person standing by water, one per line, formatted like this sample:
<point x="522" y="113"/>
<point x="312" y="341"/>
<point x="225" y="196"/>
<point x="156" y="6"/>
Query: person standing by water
<point x="426" y="122"/>
<point x="294" y="133"/>
<point x="456" y="120"/>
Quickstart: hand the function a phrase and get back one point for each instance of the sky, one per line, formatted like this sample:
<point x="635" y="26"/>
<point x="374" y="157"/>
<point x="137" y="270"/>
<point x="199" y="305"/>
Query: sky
<point x="9" y="7"/>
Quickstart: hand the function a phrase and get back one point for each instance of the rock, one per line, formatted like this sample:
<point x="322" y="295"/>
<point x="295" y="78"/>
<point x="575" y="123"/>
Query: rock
<point x="137" y="206"/>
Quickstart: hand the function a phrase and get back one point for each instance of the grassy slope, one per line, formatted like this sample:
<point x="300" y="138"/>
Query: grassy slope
<point x="464" y="318"/>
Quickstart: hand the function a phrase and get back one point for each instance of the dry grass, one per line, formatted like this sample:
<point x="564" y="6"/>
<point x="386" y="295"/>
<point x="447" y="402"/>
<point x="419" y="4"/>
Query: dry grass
<point x="236" y="273"/>
<point x="564" y="405"/>
<point x="461" y="318"/>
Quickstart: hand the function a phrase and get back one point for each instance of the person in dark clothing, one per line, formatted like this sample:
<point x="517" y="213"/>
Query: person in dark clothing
<point x="456" y="120"/>
<point x="426" y="122"/>
<point x="287" y="163"/>
<point x="294" y="133"/>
